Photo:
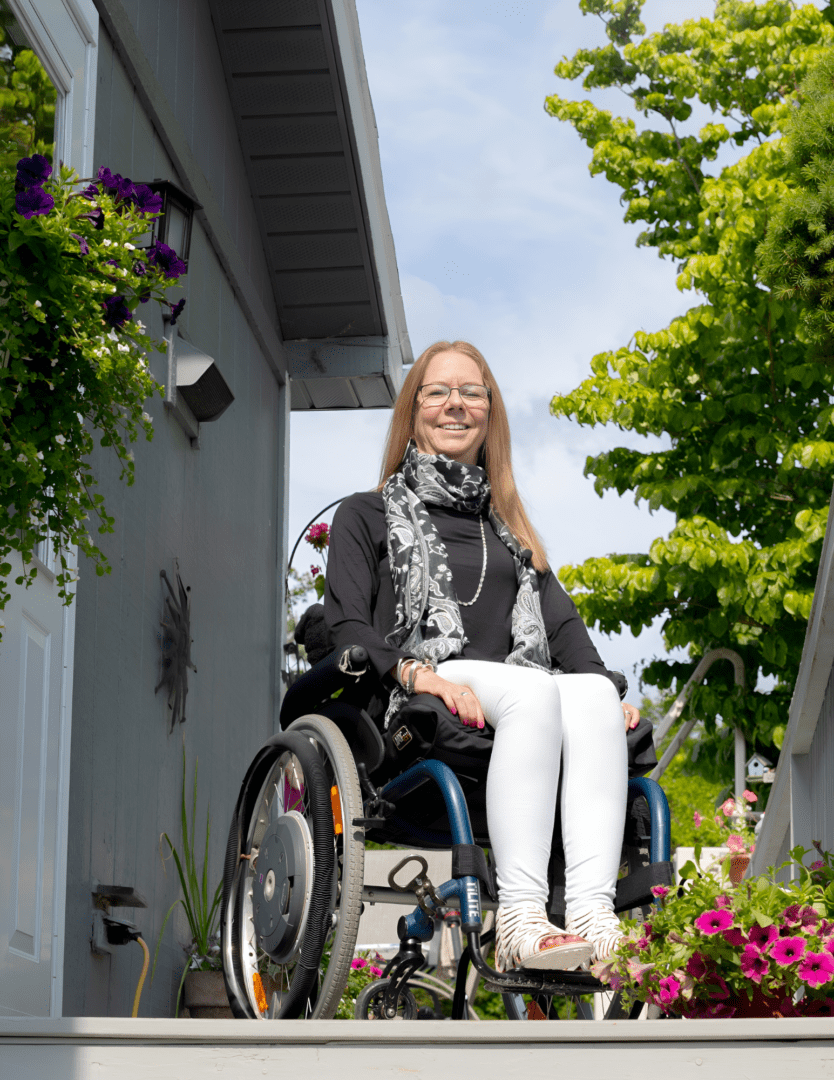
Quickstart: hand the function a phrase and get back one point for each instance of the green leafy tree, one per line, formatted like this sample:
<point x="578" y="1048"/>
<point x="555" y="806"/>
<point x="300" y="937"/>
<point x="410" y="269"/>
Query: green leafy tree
<point x="740" y="394"/>
<point x="27" y="102"/>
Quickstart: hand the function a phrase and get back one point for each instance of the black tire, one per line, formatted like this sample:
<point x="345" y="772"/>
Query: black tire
<point x="369" y="1003"/>
<point x="285" y="809"/>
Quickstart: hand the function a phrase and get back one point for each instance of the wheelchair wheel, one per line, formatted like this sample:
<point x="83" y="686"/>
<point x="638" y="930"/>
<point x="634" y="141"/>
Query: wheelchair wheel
<point x="295" y="873"/>
<point x="369" y="1003"/>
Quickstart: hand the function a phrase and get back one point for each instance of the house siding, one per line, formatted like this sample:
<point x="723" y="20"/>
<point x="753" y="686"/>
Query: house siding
<point x="821" y="760"/>
<point x="217" y="514"/>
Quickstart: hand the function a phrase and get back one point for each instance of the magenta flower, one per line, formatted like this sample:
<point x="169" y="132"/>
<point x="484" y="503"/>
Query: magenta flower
<point x="735" y="937"/>
<point x="375" y="971"/>
<point x="728" y="807"/>
<point x="753" y="964"/>
<point x="33" y="171"/>
<point x="696" y="966"/>
<point x="719" y="990"/>
<point x="723" y="901"/>
<point x="696" y="820"/>
<point x="808" y="917"/>
<point x="669" y="991"/>
<point x="816" y="969"/>
<point x="315" y="570"/>
<point x="736" y="842"/>
<point x="762" y="937"/>
<point x="145" y="200"/>
<point x="714" y="922"/>
<point x="33" y="202"/>
<point x="358" y="963"/>
<point x="643" y="943"/>
<point x="828" y="946"/>
<point x="659" y="891"/>
<point x="787" y="950"/>
<point x="818" y="865"/>
<point x="318" y="536"/>
<point x="791" y="916"/>
<point x="164" y="258"/>
<point x="750" y="796"/>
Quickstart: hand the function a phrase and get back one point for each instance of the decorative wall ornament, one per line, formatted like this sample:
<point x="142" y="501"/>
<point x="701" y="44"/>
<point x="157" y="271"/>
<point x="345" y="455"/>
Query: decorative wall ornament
<point x="175" y="640"/>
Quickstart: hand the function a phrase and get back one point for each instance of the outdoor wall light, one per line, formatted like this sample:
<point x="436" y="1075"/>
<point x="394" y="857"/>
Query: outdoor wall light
<point x="174" y="226"/>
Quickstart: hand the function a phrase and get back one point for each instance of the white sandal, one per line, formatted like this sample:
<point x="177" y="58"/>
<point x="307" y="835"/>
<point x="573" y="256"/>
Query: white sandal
<point x="600" y="926"/>
<point x="525" y="938"/>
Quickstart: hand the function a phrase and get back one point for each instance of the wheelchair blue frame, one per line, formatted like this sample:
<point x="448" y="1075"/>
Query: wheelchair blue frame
<point x="419" y="926"/>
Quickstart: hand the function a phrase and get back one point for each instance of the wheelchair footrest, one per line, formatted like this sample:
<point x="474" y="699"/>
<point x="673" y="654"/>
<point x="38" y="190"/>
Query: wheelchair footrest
<point x="635" y="890"/>
<point x="569" y="983"/>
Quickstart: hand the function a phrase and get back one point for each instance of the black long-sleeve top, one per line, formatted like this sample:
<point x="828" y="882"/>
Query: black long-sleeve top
<point x="359" y="593"/>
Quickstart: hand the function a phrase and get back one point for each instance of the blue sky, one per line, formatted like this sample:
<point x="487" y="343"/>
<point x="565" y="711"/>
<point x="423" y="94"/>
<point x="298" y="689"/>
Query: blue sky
<point x="503" y="238"/>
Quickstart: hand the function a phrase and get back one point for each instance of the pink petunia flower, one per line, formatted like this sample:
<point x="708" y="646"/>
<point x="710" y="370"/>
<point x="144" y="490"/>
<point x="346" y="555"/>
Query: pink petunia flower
<point x="828" y="946"/>
<point x="696" y="966"/>
<point x="808" y="917"/>
<point x="723" y="901"/>
<point x="669" y="991"/>
<point x="728" y="807"/>
<point x="750" y="796"/>
<point x="358" y="963"/>
<point x="714" y="922"/>
<point x="643" y="943"/>
<point x="753" y="964"/>
<point x="659" y="891"/>
<point x="637" y="970"/>
<point x="719" y="821"/>
<point x="762" y="937"/>
<point x="736" y="842"/>
<point x="816" y="969"/>
<point x="791" y="915"/>
<point x="735" y="937"/>
<point x="616" y="982"/>
<point x="787" y="950"/>
<point x="697" y="819"/>
<point x="818" y="865"/>
<point x="375" y="971"/>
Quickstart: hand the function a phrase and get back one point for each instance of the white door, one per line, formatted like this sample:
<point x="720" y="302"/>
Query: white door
<point x="36" y="653"/>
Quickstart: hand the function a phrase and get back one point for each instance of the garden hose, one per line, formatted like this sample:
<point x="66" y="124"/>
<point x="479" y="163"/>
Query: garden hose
<point x="141" y="982"/>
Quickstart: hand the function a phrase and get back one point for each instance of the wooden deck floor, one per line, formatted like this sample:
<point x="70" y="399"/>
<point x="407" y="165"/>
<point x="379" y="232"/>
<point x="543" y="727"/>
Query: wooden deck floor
<point x="90" y="1048"/>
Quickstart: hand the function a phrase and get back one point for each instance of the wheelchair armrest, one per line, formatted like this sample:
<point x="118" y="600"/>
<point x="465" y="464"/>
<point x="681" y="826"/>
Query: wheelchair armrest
<point x="342" y="668"/>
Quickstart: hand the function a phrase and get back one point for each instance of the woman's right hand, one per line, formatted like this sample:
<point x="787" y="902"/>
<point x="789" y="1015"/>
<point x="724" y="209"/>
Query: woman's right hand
<point x="459" y="700"/>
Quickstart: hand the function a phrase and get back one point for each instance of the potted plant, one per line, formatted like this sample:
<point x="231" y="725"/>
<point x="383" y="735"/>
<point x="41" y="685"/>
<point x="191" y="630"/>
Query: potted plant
<point x="711" y="949"/>
<point x="202" y="977"/>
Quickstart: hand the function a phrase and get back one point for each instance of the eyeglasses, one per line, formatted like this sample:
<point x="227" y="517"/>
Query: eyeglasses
<point x="472" y="394"/>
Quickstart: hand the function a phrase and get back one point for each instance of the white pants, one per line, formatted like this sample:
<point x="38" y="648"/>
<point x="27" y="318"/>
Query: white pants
<point x="541" y="721"/>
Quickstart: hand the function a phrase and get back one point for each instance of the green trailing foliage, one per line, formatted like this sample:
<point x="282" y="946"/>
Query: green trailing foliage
<point x="735" y="387"/>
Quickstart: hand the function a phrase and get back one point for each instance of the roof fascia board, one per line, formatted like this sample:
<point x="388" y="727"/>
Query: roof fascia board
<point x="337" y="358"/>
<point x="806" y="703"/>
<point x="351" y="64"/>
<point x="129" y="48"/>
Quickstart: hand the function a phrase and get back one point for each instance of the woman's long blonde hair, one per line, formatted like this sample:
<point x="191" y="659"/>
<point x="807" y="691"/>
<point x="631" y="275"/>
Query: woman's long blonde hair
<point x="496" y="452"/>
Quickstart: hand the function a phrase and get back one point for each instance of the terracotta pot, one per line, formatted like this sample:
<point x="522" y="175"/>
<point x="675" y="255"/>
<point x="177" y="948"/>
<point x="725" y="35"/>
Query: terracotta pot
<point x="204" y="995"/>
<point x="738" y="865"/>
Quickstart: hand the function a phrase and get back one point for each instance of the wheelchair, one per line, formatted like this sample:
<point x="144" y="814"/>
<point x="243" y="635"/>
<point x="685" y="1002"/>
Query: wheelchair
<point x="293" y="881"/>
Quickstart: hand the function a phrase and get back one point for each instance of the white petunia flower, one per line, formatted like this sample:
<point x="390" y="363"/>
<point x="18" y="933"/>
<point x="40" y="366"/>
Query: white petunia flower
<point x="107" y="243"/>
<point x="60" y="440"/>
<point x="130" y="247"/>
<point x="21" y="458"/>
<point x="54" y="362"/>
<point x="38" y="303"/>
<point x="140" y="326"/>
<point x="147" y="418"/>
<point x="123" y="348"/>
<point x="39" y="455"/>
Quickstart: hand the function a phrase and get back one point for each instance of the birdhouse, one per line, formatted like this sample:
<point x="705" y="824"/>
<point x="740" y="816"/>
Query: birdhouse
<point x="757" y="766"/>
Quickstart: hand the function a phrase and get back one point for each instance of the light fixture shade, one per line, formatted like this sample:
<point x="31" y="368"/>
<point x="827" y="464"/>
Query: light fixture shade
<point x="200" y="383"/>
<point x="174" y="226"/>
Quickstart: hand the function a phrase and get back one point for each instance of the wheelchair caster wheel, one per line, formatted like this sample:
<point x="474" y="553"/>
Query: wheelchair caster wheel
<point x="370" y="1004"/>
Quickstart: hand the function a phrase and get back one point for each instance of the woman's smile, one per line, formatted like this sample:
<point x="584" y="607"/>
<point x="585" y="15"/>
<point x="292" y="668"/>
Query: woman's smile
<point x="454" y="428"/>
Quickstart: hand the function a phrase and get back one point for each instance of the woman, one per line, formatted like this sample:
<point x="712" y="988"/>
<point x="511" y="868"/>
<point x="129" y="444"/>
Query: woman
<point x="441" y="577"/>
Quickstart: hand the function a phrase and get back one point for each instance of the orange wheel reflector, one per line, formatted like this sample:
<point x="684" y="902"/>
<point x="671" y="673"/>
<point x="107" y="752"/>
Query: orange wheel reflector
<point x="336" y="803"/>
<point x="260" y="995"/>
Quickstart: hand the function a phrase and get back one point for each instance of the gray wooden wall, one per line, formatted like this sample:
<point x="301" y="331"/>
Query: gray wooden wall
<point x="216" y="512"/>
<point x="821" y="762"/>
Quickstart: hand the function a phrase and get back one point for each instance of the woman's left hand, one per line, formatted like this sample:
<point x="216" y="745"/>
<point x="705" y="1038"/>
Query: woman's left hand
<point x="632" y="716"/>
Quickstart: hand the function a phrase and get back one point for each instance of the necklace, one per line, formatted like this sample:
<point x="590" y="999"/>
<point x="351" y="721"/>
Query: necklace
<point x="469" y="603"/>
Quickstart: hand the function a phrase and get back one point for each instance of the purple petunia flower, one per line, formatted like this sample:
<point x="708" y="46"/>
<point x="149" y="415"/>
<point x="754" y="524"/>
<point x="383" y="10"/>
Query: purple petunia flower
<point x="166" y="260"/>
<point x="116" y="311"/>
<point x="719" y="990"/>
<point x="787" y="950"/>
<point x="176" y="311"/>
<point x="816" y="969"/>
<point x="145" y="200"/>
<point x="669" y="991"/>
<point x="82" y="243"/>
<point x="33" y="171"/>
<point x="808" y="917"/>
<point x="753" y="964"/>
<point x="139" y="268"/>
<point x="696" y="966"/>
<point x="735" y="937"/>
<point x="763" y="937"/>
<point x="33" y="202"/>
<point x="791" y="915"/>
<point x="714" y="922"/>
<point x="90" y="192"/>
<point x="124" y="187"/>
<point x="95" y="217"/>
<point x="107" y="179"/>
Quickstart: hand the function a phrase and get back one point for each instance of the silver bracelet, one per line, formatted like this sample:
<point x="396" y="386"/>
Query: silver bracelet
<point x="400" y="665"/>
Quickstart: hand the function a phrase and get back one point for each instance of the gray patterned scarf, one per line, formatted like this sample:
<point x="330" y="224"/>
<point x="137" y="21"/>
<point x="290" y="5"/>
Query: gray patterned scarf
<point x="428" y="623"/>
